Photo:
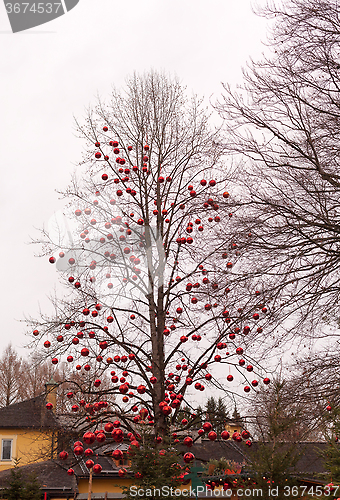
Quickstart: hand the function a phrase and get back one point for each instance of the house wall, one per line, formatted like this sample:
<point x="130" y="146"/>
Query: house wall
<point x="28" y="446"/>
<point x="100" y="484"/>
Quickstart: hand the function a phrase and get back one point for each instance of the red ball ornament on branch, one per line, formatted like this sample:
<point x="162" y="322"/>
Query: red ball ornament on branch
<point x="188" y="457"/>
<point x="97" y="468"/>
<point x="207" y="426"/>
<point x="89" y="437"/>
<point x="225" y="435"/>
<point x="78" y="450"/>
<point x="188" y="441"/>
<point x="117" y="435"/>
<point x="117" y="454"/>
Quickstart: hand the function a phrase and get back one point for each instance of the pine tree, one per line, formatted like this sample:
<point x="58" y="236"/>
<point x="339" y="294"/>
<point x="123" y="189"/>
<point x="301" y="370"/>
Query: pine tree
<point x="155" y="469"/>
<point x="32" y="488"/>
<point x="331" y="455"/>
<point x="15" y="488"/>
<point x="278" y="449"/>
<point x="216" y="413"/>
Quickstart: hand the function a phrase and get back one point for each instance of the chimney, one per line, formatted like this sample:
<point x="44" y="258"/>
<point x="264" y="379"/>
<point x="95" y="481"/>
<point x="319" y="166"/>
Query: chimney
<point x="51" y="392"/>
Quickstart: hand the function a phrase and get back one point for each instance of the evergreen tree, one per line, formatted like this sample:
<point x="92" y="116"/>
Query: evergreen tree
<point x="278" y="450"/>
<point x="331" y="454"/>
<point x="155" y="469"/>
<point x="20" y="488"/>
<point x="32" y="488"/>
<point x="216" y="413"/>
<point x="15" y="488"/>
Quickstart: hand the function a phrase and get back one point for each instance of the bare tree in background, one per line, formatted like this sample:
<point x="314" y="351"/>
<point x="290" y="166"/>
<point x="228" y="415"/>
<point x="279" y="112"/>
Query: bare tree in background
<point x="283" y="129"/>
<point x="10" y="376"/>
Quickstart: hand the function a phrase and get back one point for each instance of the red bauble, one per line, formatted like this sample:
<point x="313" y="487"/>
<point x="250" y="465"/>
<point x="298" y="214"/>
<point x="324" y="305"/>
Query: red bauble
<point x="97" y="468"/>
<point x="225" y="435"/>
<point x="188" y="457"/>
<point x="78" y="450"/>
<point x="117" y="454"/>
<point x="89" y="437"/>
<point x="89" y="464"/>
<point x="188" y="441"/>
<point x="101" y="437"/>
<point x="70" y="472"/>
<point x="63" y="455"/>
<point x="108" y="427"/>
<point x="117" y="435"/>
<point x="212" y="435"/>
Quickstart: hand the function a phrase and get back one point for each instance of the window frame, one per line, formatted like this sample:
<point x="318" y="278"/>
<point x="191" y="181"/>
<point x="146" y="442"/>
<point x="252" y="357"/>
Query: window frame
<point x="2" y="450"/>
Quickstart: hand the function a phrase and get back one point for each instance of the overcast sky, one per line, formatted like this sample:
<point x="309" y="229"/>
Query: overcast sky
<point x="51" y="73"/>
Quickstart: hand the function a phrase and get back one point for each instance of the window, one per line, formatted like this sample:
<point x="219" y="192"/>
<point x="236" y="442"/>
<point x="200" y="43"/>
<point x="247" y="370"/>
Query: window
<point x="6" y="449"/>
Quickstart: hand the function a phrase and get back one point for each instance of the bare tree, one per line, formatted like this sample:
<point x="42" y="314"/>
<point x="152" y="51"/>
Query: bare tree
<point x="283" y="129"/>
<point x="10" y="376"/>
<point x="144" y="297"/>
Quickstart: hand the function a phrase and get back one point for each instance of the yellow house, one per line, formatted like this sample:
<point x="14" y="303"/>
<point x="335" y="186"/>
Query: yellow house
<point x="28" y="433"/>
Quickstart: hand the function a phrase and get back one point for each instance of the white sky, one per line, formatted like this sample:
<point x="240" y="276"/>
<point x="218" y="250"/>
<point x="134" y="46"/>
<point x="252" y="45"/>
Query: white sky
<point x="51" y="73"/>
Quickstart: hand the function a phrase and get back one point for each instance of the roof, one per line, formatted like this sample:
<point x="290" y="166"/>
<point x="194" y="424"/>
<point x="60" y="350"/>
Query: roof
<point x="309" y="463"/>
<point x="51" y="476"/>
<point x="31" y="413"/>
